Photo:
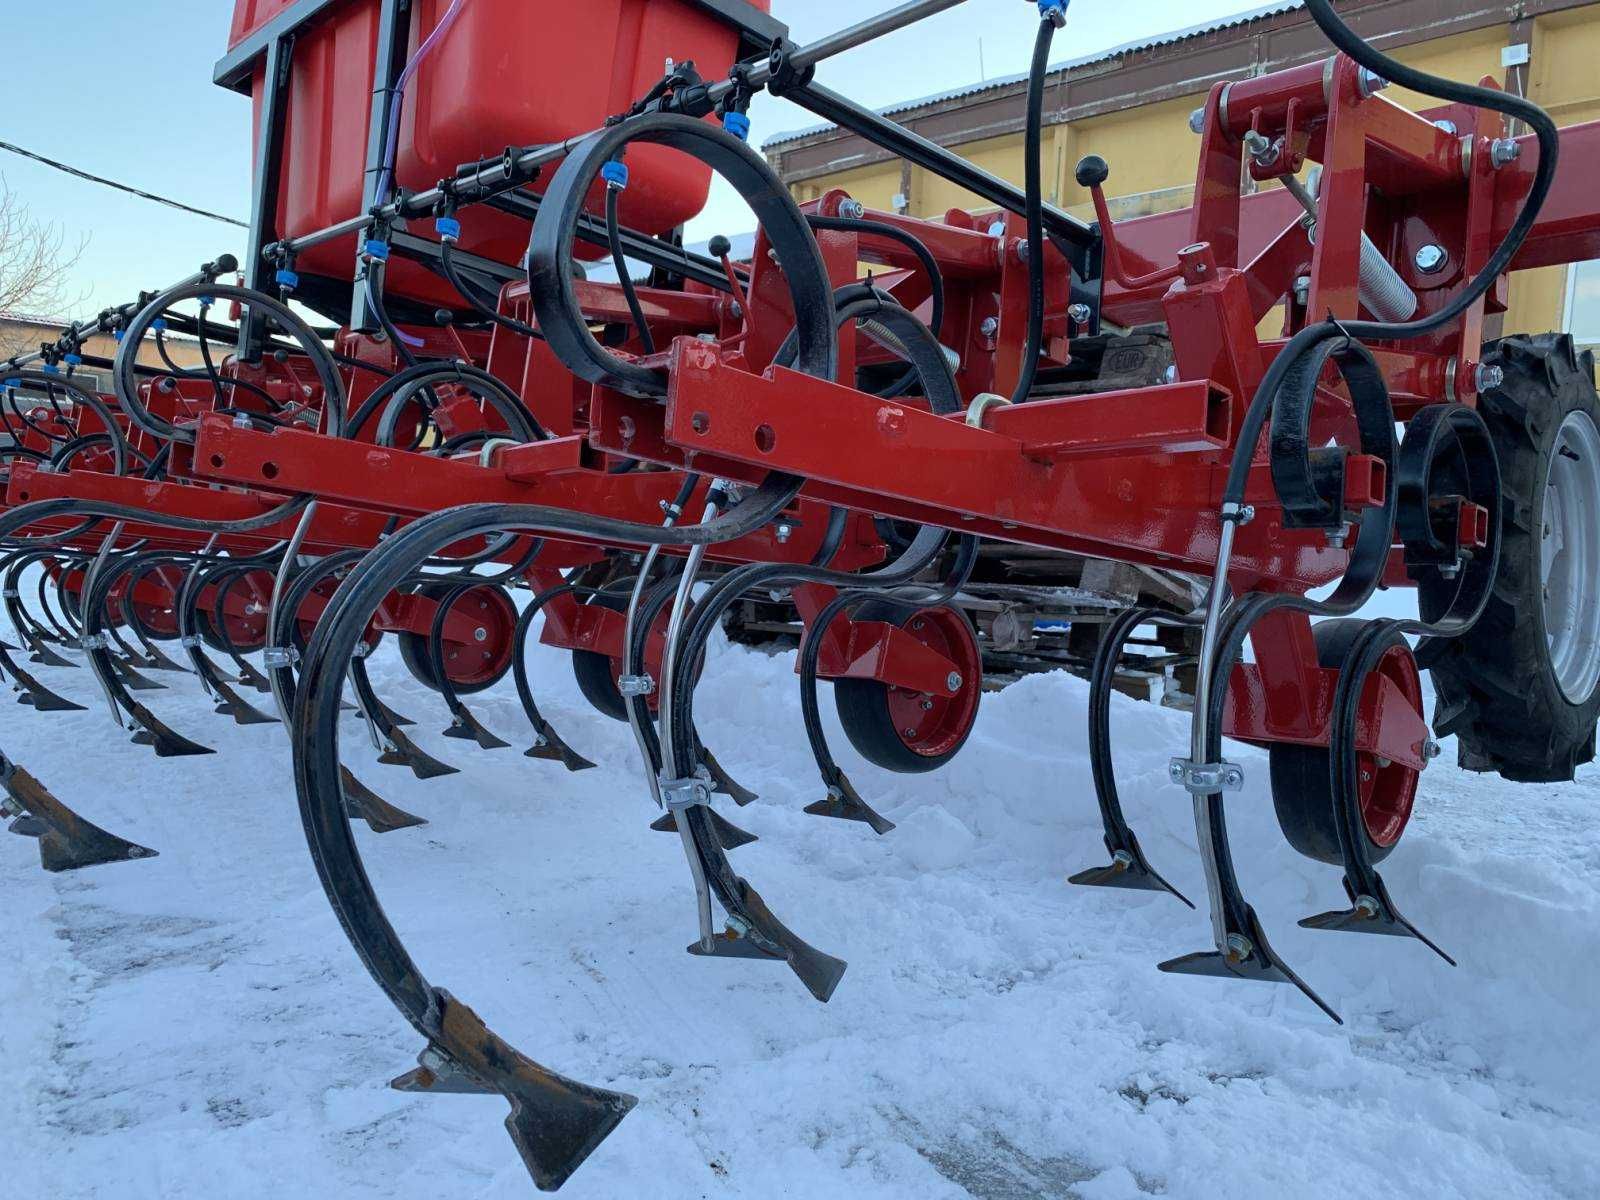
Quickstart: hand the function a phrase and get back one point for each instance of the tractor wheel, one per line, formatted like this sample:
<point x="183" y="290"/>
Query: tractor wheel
<point x="471" y="668"/>
<point x="902" y="730"/>
<point x="1522" y="690"/>
<point x="1302" y="790"/>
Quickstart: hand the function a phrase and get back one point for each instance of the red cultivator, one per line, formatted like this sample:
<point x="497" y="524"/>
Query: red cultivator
<point x="643" y="456"/>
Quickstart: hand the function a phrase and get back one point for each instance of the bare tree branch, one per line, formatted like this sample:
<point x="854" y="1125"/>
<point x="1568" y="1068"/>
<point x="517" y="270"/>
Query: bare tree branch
<point x="35" y="261"/>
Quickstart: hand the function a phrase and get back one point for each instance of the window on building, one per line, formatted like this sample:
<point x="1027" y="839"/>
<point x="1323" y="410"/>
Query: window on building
<point x="1583" y="302"/>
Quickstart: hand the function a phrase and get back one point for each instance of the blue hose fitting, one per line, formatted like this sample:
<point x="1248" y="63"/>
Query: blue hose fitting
<point x="737" y="124"/>
<point x="448" y="229"/>
<point x="377" y="250"/>
<point x="72" y="360"/>
<point x="615" y="173"/>
<point x="1054" y="11"/>
<point x="288" y="280"/>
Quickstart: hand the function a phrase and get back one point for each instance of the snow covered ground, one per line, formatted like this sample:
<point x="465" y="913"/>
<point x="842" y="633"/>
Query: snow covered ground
<point x="197" y="1026"/>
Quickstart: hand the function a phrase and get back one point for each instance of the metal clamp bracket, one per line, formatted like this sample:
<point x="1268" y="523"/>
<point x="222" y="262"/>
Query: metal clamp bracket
<point x="276" y="657"/>
<point x="94" y="641"/>
<point x="679" y="794"/>
<point x="1206" y="779"/>
<point x="636" y="685"/>
<point x="191" y="642"/>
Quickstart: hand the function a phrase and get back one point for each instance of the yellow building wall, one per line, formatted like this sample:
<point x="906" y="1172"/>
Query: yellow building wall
<point x="1152" y="151"/>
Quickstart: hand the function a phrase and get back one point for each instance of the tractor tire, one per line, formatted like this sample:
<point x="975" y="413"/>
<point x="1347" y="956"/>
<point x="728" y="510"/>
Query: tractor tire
<point x="1521" y="691"/>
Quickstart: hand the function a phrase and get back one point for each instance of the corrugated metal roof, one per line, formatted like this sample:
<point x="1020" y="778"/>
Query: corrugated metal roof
<point x="989" y="85"/>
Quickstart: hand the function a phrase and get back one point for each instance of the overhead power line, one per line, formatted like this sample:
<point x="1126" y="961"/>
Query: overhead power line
<point x="122" y="187"/>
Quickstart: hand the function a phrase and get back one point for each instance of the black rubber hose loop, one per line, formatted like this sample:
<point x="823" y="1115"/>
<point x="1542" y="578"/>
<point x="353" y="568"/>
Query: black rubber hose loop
<point x="125" y="376"/>
<point x="550" y="251"/>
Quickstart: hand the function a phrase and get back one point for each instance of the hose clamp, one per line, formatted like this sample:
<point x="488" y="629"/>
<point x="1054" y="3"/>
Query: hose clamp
<point x="636" y="685"/>
<point x="1206" y="779"/>
<point x="679" y="794"/>
<point x="278" y="657"/>
<point x="94" y="641"/>
<point x="190" y="642"/>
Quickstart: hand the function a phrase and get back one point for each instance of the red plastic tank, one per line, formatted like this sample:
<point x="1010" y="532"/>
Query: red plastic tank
<point x="507" y="73"/>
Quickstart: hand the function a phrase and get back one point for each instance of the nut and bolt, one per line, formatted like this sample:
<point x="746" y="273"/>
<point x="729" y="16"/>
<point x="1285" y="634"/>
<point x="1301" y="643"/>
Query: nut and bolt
<point x="1431" y="750"/>
<point x="989" y="327"/>
<point x="480" y="635"/>
<point x="911" y="733"/>
<point x="1262" y="149"/>
<point x="1490" y="376"/>
<point x="1080" y="313"/>
<point x="953" y="681"/>
<point x="927" y="706"/>
<point x="785" y="531"/>
<point x="852" y="210"/>
<point x="1302" y="290"/>
<point x="1448" y="126"/>
<point x="1504" y="152"/>
<point x="1197" y="120"/>
<point x="1431" y="259"/>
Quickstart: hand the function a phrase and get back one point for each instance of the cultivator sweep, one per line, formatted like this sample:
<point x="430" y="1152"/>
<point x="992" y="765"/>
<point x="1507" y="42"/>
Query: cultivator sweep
<point x="491" y="446"/>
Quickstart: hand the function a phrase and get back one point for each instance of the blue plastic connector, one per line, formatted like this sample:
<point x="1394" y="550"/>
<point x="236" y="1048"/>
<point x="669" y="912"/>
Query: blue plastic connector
<point x="287" y="279"/>
<point x="159" y="325"/>
<point x="72" y="360"/>
<point x="737" y="124"/>
<point x="377" y="250"/>
<point x="50" y="368"/>
<point x="615" y="173"/>
<point x="1054" y="11"/>
<point x="448" y="229"/>
<point x="207" y="301"/>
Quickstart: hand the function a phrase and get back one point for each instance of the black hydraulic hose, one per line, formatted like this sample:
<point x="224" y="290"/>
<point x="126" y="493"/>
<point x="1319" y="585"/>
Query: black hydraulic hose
<point x="448" y="264"/>
<point x="1033" y="143"/>
<point x="1343" y="37"/>
<point x="911" y="241"/>
<point x="620" y="261"/>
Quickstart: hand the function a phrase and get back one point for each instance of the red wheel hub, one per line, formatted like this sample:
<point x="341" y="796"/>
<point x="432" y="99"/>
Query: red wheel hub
<point x="1388" y="790"/>
<point x="244" y="615"/>
<point x="932" y="725"/>
<point x="488" y="655"/>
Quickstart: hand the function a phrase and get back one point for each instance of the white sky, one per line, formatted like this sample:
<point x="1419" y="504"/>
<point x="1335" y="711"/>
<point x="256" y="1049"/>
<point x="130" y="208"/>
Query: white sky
<point x="125" y="91"/>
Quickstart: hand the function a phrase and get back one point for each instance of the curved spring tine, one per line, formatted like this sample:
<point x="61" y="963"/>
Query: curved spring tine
<point x="842" y="802"/>
<point x="1371" y="908"/>
<point x="362" y="802"/>
<point x="555" y="1122"/>
<point x="67" y="842"/>
<point x="1129" y="868"/>
<point x="547" y="743"/>
<point x="464" y="723"/>
<point x="32" y="691"/>
<point x="397" y="750"/>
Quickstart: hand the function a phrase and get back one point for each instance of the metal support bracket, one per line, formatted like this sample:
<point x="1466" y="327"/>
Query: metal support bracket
<point x="1206" y="779"/>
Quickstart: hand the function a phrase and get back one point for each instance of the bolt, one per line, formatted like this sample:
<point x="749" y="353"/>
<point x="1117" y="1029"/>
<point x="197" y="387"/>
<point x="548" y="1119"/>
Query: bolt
<point x="953" y="681"/>
<point x="1448" y="126"/>
<point x="927" y="706"/>
<point x="997" y="229"/>
<point x="1367" y="907"/>
<point x="1197" y="120"/>
<point x="989" y="327"/>
<point x="1302" y="290"/>
<point x="852" y="210"/>
<point x="1369" y="82"/>
<point x="1431" y="259"/>
<point x="911" y="733"/>
<point x="1265" y="152"/>
<point x="1490" y="377"/>
<point x="1431" y="749"/>
<point x="1504" y="152"/>
<point x="784" y="531"/>
<point x="1234" y="778"/>
<point x="1338" y="537"/>
<point x="1022" y="251"/>
<point x="1080" y="313"/>
<point x="480" y="635"/>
